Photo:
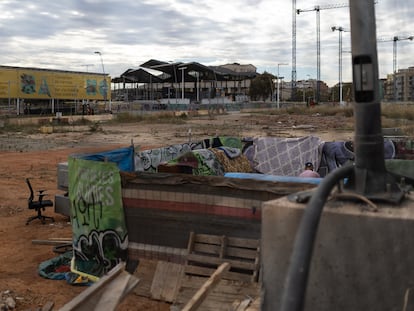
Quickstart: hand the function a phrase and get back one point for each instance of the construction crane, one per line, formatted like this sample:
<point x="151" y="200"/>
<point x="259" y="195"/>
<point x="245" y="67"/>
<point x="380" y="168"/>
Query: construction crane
<point x="317" y="9"/>
<point x="394" y="40"/>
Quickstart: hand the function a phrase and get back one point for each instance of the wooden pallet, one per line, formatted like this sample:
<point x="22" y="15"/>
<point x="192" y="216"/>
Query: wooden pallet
<point x="207" y="252"/>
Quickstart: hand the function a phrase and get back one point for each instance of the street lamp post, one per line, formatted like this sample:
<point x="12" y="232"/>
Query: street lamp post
<point x="100" y="55"/>
<point x="340" y="30"/>
<point x="311" y="86"/>
<point x="303" y="91"/>
<point x="105" y="86"/>
<point x="278" y="98"/>
<point x="182" y="81"/>
<point x="198" y="87"/>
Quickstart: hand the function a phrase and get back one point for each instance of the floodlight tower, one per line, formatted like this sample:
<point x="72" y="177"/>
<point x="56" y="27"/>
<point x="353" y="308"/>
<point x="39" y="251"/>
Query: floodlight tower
<point x="340" y="30"/>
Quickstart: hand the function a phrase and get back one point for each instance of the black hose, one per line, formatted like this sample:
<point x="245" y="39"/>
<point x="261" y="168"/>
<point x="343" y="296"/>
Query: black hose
<point x="296" y="280"/>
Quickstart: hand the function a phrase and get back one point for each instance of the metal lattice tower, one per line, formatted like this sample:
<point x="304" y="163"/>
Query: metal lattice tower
<point x="293" y="49"/>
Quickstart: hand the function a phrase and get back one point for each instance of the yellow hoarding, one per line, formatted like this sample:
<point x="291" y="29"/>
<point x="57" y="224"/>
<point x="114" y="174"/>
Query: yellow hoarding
<point x="48" y="84"/>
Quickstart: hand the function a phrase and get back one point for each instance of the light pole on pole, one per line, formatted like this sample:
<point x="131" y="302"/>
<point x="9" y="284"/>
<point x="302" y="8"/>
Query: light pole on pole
<point x="100" y="55"/>
<point x="198" y="87"/>
<point x="105" y="86"/>
<point x="340" y="30"/>
<point x="303" y="91"/>
<point x="278" y="97"/>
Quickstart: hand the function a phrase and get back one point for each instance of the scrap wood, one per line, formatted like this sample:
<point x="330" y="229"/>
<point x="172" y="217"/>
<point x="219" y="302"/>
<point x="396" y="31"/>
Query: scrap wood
<point x="52" y="241"/>
<point x="241" y="305"/>
<point x="106" y="293"/>
<point x="166" y="281"/>
<point x="255" y="305"/>
<point x="202" y="293"/>
<point x="48" y="306"/>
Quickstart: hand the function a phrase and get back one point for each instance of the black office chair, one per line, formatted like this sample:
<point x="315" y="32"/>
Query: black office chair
<point x="38" y="205"/>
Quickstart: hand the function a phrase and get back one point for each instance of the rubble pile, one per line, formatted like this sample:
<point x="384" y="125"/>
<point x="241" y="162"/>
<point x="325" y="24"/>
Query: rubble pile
<point x="8" y="300"/>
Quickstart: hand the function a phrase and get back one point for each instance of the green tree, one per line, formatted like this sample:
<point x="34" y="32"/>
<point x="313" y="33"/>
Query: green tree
<point x="262" y="87"/>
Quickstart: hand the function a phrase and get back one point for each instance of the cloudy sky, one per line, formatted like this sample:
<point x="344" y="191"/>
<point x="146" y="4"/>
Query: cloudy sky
<point x="65" y="34"/>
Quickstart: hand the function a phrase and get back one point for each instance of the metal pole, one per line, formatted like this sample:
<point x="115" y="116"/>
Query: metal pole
<point x="318" y="54"/>
<point x="369" y="142"/>
<point x="8" y="93"/>
<point x="105" y="86"/>
<point x="340" y="30"/>
<point x="182" y="81"/>
<point x="198" y="87"/>
<point x="340" y="67"/>
<point x="303" y="92"/>
<point x="278" y="87"/>
<point x="278" y="97"/>
<point x="394" y="69"/>
<point x="100" y="55"/>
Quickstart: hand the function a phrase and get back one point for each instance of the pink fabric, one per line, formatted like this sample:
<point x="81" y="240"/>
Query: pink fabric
<point x="309" y="173"/>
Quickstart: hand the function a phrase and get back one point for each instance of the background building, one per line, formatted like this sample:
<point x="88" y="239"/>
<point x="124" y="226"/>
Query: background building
<point x="400" y="86"/>
<point x="184" y="82"/>
<point x="36" y="90"/>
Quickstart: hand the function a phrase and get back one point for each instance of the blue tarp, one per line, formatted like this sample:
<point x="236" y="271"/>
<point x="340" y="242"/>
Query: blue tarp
<point x="275" y="178"/>
<point x="123" y="157"/>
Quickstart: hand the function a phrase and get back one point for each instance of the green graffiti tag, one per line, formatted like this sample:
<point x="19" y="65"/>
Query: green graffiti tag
<point x="100" y="236"/>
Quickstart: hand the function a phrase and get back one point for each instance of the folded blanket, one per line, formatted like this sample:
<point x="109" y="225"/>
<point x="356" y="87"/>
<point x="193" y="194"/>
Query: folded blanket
<point x="284" y="156"/>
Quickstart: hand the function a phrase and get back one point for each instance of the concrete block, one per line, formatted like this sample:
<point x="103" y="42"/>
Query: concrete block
<point x="62" y="204"/>
<point x="362" y="260"/>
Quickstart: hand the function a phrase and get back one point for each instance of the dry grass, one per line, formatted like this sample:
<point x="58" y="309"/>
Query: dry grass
<point x="401" y="116"/>
<point x="324" y="110"/>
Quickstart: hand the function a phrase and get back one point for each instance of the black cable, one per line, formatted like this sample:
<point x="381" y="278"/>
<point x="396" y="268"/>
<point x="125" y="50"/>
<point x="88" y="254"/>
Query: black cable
<point x="296" y="280"/>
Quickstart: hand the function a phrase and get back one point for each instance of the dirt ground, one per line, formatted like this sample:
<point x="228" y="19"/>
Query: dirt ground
<point x="35" y="156"/>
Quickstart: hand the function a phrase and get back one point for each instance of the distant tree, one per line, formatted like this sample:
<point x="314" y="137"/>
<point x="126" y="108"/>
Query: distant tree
<point x="346" y="92"/>
<point x="262" y="87"/>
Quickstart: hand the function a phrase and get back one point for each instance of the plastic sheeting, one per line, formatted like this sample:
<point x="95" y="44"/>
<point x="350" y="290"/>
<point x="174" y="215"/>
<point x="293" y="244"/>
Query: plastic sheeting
<point x="123" y="157"/>
<point x="274" y="178"/>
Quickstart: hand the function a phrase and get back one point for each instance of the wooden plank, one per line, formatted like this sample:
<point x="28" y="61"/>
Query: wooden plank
<point x="208" y="239"/>
<point x="223" y="249"/>
<point x="166" y="281"/>
<point x="202" y="293"/>
<point x="51" y="242"/>
<point x="113" y="293"/>
<point x="217" y="261"/>
<point x="241" y="242"/>
<point x="231" y="241"/>
<point x="206" y="248"/>
<point x="113" y="286"/>
<point x="241" y="305"/>
<point x="203" y="271"/>
<point x="48" y="306"/>
<point x="255" y="306"/>
<point x="220" y="298"/>
<point x="191" y="242"/>
<point x="145" y="273"/>
<point x="241" y="253"/>
<point x="229" y="251"/>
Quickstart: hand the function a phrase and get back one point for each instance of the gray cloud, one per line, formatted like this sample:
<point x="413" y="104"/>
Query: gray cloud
<point x="64" y="34"/>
